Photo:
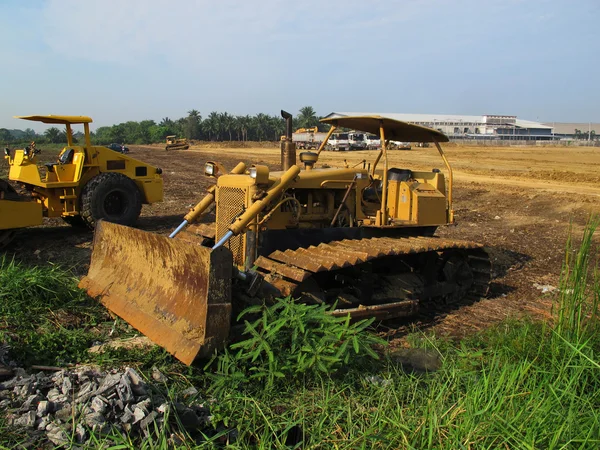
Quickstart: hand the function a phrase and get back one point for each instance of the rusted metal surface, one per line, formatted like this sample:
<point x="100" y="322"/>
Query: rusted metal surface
<point x="347" y="252"/>
<point x="381" y="312"/>
<point x="177" y="294"/>
<point x="207" y="230"/>
<point x="288" y="271"/>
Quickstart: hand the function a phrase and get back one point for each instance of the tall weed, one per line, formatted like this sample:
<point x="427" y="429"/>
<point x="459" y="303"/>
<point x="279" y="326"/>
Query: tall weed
<point x="289" y="339"/>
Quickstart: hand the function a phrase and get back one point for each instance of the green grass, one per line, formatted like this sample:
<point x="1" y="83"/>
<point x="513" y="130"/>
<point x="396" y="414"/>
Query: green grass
<point x="44" y="317"/>
<point x="521" y="384"/>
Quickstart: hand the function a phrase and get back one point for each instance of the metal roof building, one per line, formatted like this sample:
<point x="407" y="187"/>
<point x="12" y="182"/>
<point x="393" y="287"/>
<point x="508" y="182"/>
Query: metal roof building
<point x="567" y="129"/>
<point x="490" y="126"/>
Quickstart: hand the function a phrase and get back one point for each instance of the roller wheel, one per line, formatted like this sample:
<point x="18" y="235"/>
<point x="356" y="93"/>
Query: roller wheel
<point x="113" y="197"/>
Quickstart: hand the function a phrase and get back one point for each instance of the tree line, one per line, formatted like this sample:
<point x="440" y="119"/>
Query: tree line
<point x="216" y="126"/>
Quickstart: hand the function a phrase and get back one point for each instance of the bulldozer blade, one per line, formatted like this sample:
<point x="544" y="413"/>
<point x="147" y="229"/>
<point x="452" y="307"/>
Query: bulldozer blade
<point x="176" y="293"/>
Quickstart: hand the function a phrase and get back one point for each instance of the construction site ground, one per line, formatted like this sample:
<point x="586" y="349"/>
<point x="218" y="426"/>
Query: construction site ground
<point x="520" y="202"/>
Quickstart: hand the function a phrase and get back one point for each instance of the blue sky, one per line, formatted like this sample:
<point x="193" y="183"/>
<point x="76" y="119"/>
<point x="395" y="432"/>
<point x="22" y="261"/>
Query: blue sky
<point x="119" y="60"/>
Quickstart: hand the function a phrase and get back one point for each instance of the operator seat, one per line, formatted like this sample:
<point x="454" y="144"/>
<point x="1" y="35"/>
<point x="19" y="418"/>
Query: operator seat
<point x="372" y="193"/>
<point x="65" y="158"/>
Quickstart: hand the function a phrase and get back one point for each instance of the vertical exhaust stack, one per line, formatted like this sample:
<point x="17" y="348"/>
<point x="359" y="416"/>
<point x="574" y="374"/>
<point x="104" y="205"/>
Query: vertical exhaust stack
<point x="288" y="148"/>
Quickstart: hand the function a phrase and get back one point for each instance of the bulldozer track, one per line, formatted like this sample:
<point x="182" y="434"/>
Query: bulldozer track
<point x="291" y="271"/>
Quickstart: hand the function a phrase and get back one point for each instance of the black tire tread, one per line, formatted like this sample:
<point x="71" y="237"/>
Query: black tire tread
<point x="117" y="179"/>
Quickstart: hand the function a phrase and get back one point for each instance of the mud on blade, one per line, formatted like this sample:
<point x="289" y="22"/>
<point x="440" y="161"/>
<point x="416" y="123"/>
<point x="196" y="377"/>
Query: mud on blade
<point x="176" y="293"/>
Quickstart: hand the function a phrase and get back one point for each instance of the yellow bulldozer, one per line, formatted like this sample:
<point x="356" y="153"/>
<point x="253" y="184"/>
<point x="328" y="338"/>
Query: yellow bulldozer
<point x="85" y="184"/>
<point x="360" y="238"/>
<point x="174" y="143"/>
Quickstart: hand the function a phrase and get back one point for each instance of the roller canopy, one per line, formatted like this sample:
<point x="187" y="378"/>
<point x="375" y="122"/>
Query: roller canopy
<point x="58" y="119"/>
<point x="395" y="130"/>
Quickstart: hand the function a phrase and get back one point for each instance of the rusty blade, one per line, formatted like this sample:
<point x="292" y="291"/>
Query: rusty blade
<point x="176" y="293"/>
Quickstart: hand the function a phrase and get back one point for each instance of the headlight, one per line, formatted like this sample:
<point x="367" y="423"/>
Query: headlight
<point x="210" y="169"/>
<point x="259" y="173"/>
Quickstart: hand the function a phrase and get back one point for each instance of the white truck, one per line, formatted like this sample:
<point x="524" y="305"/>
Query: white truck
<point x="307" y="138"/>
<point x="356" y="140"/>
<point x="373" y="142"/>
<point x="338" y="142"/>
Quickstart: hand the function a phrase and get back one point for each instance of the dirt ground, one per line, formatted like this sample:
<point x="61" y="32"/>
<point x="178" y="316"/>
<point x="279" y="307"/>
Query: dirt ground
<point x="518" y="202"/>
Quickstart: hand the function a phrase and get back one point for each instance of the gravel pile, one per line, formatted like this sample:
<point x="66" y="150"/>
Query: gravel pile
<point x="71" y="404"/>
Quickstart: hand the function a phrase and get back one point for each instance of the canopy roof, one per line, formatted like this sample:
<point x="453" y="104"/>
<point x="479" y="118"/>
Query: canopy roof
<point x="58" y="119"/>
<point x="395" y="130"/>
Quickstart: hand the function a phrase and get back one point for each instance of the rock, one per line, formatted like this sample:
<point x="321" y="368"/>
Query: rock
<point x="67" y="386"/>
<point x="43" y="408"/>
<point x="417" y="359"/>
<point x="378" y="381"/>
<point x="138" y="414"/>
<point x="163" y="408"/>
<point x="124" y="390"/>
<point x="150" y="418"/>
<point x="43" y="423"/>
<point x="24" y="390"/>
<point x="65" y="413"/>
<point x="57" y="435"/>
<point x="26" y="420"/>
<point x="95" y="420"/>
<point x="80" y="434"/>
<point x="144" y="405"/>
<point x="127" y="415"/>
<point x="31" y="402"/>
<point x="189" y="392"/>
<point x="109" y="384"/>
<point x="544" y="287"/>
<point x="98" y="405"/>
<point x="55" y="396"/>
<point x="58" y="377"/>
<point x="158" y="376"/>
<point x="4" y="404"/>
<point x="137" y="383"/>
<point x="86" y="391"/>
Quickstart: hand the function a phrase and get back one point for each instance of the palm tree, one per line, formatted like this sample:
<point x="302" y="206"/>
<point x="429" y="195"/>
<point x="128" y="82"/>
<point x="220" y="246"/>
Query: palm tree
<point x="227" y="124"/>
<point x="193" y="124"/>
<point x="244" y="123"/>
<point x="277" y="127"/>
<point x="261" y="125"/>
<point x="213" y="125"/>
<point x="166" y="122"/>
<point x="307" y="117"/>
<point x="53" y="134"/>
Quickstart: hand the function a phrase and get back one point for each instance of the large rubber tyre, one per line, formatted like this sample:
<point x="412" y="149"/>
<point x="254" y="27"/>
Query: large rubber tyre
<point x="113" y="197"/>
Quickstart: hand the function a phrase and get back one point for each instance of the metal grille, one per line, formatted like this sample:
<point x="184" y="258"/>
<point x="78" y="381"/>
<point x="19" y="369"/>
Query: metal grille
<point x="231" y="202"/>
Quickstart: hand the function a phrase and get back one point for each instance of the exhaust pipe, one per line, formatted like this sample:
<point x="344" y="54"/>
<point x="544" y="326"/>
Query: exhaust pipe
<point x="288" y="148"/>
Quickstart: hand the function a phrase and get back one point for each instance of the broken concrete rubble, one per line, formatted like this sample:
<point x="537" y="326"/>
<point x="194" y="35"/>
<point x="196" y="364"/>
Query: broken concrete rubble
<point x="93" y="402"/>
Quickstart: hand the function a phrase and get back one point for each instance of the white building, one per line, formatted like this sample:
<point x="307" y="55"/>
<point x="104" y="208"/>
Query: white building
<point x="461" y="127"/>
